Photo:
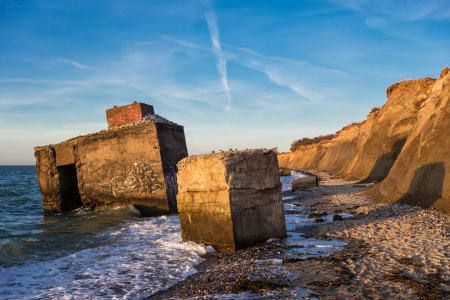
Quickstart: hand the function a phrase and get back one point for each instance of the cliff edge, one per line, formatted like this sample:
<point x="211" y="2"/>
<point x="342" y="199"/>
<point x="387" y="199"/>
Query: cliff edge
<point x="420" y="175"/>
<point x="404" y="145"/>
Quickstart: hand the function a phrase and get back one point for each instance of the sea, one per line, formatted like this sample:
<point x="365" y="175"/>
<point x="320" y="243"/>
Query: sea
<point x="108" y="254"/>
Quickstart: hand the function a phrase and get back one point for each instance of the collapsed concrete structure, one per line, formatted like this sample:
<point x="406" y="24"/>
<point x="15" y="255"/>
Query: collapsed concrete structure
<point x="231" y="200"/>
<point x="127" y="164"/>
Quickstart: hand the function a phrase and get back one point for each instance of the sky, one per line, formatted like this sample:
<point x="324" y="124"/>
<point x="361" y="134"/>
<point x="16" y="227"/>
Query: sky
<point x="235" y="74"/>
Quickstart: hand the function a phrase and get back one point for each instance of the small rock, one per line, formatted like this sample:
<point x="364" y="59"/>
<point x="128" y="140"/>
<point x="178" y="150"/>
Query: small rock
<point x="285" y="172"/>
<point x="337" y="218"/>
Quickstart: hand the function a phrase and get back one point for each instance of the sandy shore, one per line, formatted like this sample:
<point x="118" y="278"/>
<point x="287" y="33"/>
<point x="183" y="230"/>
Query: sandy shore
<point x="392" y="252"/>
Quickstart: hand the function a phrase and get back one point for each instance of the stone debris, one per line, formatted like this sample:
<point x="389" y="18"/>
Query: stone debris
<point x="223" y="270"/>
<point x="380" y="236"/>
<point x="151" y="118"/>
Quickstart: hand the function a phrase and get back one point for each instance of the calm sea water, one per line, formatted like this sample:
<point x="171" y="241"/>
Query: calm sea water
<point x="111" y="254"/>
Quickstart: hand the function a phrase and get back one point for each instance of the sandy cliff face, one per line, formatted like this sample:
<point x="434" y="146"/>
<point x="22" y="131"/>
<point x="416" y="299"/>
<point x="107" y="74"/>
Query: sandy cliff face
<point x="367" y="150"/>
<point x="420" y="175"/>
<point x="405" y="144"/>
<point x="283" y="159"/>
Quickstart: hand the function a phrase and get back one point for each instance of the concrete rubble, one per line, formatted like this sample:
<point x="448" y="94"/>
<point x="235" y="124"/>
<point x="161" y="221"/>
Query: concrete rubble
<point x="305" y="182"/>
<point x="231" y="200"/>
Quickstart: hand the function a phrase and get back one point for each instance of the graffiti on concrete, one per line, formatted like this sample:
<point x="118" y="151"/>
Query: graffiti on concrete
<point x="140" y="180"/>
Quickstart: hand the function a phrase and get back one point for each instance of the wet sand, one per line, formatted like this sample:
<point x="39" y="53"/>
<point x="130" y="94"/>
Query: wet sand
<point x="393" y="252"/>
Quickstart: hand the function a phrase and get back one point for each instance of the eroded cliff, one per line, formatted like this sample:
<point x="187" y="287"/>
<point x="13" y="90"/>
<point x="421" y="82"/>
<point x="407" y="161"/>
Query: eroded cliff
<point x="420" y="173"/>
<point x="404" y="145"/>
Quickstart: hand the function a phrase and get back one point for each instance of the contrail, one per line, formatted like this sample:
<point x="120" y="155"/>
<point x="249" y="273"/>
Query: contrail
<point x="211" y="19"/>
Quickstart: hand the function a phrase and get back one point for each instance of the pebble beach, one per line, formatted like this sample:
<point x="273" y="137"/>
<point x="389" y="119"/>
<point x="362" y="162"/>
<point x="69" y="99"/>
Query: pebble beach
<point x="340" y="245"/>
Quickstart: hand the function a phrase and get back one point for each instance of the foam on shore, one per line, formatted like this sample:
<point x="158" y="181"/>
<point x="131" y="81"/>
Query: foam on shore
<point x="137" y="260"/>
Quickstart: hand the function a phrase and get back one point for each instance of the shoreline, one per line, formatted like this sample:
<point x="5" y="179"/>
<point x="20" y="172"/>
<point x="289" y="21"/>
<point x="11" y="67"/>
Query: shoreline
<point x="393" y="251"/>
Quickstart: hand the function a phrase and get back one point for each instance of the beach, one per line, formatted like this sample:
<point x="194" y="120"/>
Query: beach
<point x="386" y="252"/>
<point x="376" y="251"/>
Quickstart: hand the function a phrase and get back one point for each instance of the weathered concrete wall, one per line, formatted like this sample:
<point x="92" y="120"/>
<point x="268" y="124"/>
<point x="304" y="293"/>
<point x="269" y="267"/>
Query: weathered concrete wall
<point x="122" y="115"/>
<point x="122" y="167"/>
<point x="231" y="200"/>
<point x="48" y="178"/>
<point x="130" y="165"/>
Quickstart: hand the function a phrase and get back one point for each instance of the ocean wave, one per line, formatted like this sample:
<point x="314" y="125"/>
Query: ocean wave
<point x="139" y="259"/>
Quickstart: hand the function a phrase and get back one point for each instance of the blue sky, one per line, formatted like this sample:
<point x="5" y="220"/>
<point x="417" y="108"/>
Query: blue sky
<point x="235" y="74"/>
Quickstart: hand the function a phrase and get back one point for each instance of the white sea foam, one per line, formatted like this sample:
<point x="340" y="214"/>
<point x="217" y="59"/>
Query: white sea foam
<point x="139" y="259"/>
<point x="299" y="220"/>
<point x="135" y="210"/>
<point x="293" y="207"/>
<point x="300" y="246"/>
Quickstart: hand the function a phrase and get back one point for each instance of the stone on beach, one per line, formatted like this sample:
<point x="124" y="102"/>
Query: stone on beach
<point x="305" y="182"/>
<point x="285" y="172"/>
<point x="231" y="200"/>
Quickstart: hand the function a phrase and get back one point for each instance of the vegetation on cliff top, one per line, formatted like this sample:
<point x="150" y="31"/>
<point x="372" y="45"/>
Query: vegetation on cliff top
<point x="308" y="141"/>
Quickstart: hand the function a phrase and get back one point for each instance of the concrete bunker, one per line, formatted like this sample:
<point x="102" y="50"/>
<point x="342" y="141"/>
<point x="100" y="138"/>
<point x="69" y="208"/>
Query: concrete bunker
<point x="133" y="162"/>
<point x="231" y="200"/>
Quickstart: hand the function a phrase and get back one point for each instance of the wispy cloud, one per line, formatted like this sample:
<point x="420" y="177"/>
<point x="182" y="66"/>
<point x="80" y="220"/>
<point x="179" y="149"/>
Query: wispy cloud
<point x="314" y="83"/>
<point x="176" y="94"/>
<point x="184" y="43"/>
<point x="383" y="12"/>
<point x="211" y="19"/>
<point x="73" y="63"/>
<point x="311" y="82"/>
<point x="146" y="72"/>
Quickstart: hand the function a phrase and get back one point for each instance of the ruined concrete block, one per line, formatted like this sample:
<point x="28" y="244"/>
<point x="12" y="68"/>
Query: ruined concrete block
<point x="123" y="115"/>
<point x="249" y="169"/>
<point x="133" y="165"/>
<point x="305" y="182"/>
<point x="231" y="200"/>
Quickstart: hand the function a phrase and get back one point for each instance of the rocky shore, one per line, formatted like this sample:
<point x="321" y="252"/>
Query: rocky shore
<point x="391" y="252"/>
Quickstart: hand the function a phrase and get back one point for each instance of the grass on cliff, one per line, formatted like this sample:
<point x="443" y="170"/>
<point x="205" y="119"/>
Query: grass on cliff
<point x="308" y="141"/>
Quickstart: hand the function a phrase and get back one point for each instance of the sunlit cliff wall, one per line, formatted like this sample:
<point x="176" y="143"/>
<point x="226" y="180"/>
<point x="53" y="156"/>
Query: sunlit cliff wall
<point x="405" y="145"/>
